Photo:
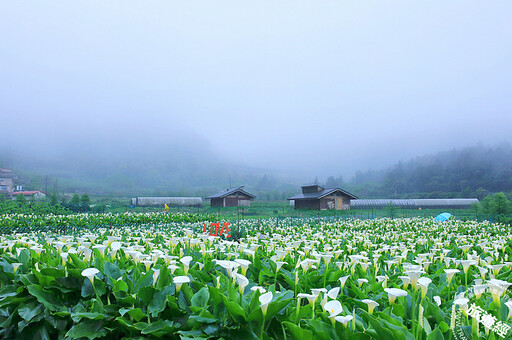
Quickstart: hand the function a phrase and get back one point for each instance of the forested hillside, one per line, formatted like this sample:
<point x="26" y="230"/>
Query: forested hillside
<point x="468" y="172"/>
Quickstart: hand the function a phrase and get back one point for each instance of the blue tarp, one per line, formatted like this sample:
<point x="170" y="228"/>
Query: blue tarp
<point x="442" y="217"/>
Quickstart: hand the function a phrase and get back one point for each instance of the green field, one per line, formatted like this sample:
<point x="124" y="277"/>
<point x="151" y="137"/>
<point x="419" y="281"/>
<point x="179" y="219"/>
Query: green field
<point x="160" y="276"/>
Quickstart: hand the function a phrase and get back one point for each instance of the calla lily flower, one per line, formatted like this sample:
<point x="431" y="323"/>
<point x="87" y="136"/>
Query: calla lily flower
<point x="424" y="282"/>
<point x="371" y="305"/>
<point x="333" y="293"/>
<point x="509" y="306"/>
<point x="450" y="273"/>
<point x="258" y="288"/>
<point x="156" y="273"/>
<point x="334" y="308"/>
<point x="265" y="299"/>
<point x="186" y="263"/>
<point x="179" y="281"/>
<point x="343" y="280"/>
<point x="437" y="299"/>
<point x="244" y="264"/>
<point x="498" y="287"/>
<point x="393" y="293"/>
<point x="242" y="282"/>
<point x="344" y="319"/>
<point x="15" y="266"/>
<point x="90" y="273"/>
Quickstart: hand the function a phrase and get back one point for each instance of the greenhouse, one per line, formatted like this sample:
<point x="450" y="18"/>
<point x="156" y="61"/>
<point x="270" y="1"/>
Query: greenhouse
<point x="170" y="201"/>
<point x="441" y="203"/>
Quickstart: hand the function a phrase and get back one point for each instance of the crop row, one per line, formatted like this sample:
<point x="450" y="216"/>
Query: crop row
<point x="404" y="279"/>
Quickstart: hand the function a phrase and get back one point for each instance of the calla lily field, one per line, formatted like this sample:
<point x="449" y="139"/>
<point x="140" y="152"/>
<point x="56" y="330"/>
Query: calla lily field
<point x="161" y="276"/>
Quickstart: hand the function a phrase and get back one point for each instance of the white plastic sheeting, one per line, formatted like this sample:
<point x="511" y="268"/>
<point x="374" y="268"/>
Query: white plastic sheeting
<point x="170" y="201"/>
<point x="453" y="203"/>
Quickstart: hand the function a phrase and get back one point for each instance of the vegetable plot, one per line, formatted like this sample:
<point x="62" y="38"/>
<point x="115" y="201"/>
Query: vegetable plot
<point x="380" y="279"/>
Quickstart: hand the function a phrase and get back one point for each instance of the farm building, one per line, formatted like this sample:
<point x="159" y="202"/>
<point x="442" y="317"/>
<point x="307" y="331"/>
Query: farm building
<point x="170" y="201"/>
<point x="235" y="197"/>
<point x="29" y="194"/>
<point x="7" y="178"/>
<point x="314" y="197"/>
<point x="444" y="203"/>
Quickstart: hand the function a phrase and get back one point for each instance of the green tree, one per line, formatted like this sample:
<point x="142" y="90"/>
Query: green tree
<point x="21" y="199"/>
<point x="75" y="199"/>
<point x="488" y="204"/>
<point x="85" y="203"/>
<point x="501" y="205"/>
<point x="53" y="199"/>
<point x="74" y="204"/>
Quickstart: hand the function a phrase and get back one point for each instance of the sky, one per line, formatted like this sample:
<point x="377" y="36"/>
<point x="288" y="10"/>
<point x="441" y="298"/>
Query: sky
<point x="312" y="87"/>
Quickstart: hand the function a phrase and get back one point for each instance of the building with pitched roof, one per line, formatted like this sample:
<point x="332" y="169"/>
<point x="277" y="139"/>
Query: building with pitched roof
<point x="315" y="197"/>
<point x="234" y="197"/>
<point x="7" y="178"/>
<point x="29" y="194"/>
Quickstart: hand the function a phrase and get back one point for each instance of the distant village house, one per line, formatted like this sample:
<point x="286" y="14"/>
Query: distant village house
<point x="315" y="197"/>
<point x="29" y="194"/>
<point x="7" y="178"/>
<point x="235" y="197"/>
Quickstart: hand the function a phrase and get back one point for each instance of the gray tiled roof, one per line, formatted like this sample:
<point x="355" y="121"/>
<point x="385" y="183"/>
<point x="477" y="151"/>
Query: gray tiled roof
<point x="320" y="194"/>
<point x="229" y="192"/>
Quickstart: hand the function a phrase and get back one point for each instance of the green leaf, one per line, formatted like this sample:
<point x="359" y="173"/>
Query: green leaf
<point x="8" y="291"/>
<point x="158" y="302"/>
<point x="436" y="334"/>
<point x="120" y="285"/>
<point x="234" y="309"/>
<point x="200" y="299"/>
<point x="145" y="294"/>
<point x="298" y="332"/>
<point x="79" y="263"/>
<point x="30" y="310"/>
<point x="53" y="272"/>
<point x="91" y="316"/>
<point x="112" y="270"/>
<point x="159" y="328"/>
<point x="137" y="314"/>
<point x="89" y="329"/>
<point x="144" y="281"/>
<point x="388" y="329"/>
<point x="45" y="297"/>
<point x="443" y="326"/>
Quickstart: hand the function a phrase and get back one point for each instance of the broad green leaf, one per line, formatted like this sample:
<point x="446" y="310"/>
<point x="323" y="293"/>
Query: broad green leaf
<point x="54" y="272"/>
<point x="30" y="310"/>
<point x="91" y="316"/>
<point x="45" y="297"/>
<point x="436" y="334"/>
<point x="235" y="310"/>
<point x="388" y="329"/>
<point x="145" y="294"/>
<point x="200" y="299"/>
<point x="145" y="281"/>
<point x="443" y="326"/>
<point x="120" y="285"/>
<point x="158" y="302"/>
<point x="137" y="314"/>
<point x="90" y="329"/>
<point x="112" y="270"/>
<point x="159" y="328"/>
<point x="298" y="332"/>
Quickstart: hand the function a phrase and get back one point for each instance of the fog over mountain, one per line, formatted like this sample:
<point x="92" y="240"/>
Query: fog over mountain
<point x="171" y="95"/>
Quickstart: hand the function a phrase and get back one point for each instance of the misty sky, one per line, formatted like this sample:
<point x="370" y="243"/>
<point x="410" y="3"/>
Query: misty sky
<point x="326" y="87"/>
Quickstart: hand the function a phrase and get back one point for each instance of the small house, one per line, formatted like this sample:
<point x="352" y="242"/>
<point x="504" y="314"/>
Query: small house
<point x="235" y="197"/>
<point x="7" y="178"/>
<point x="29" y="194"/>
<point x="315" y="197"/>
